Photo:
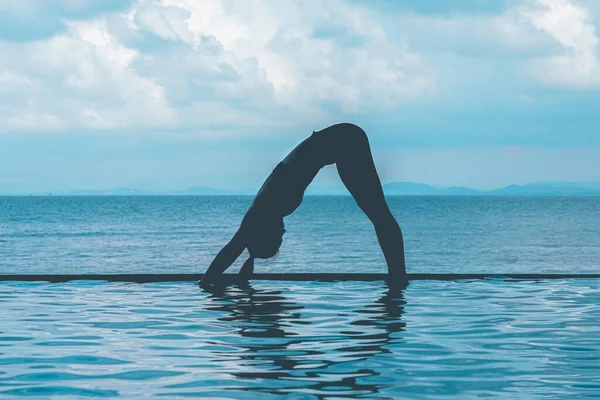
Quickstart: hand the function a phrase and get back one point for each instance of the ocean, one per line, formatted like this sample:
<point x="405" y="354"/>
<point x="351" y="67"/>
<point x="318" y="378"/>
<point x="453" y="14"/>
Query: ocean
<point x="182" y="234"/>
<point x="466" y="339"/>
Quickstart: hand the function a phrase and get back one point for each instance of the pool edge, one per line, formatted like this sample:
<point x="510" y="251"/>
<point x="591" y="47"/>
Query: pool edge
<point x="322" y="277"/>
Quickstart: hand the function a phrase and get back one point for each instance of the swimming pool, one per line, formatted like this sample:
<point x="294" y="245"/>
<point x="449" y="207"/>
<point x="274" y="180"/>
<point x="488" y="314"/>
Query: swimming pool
<point x="489" y="338"/>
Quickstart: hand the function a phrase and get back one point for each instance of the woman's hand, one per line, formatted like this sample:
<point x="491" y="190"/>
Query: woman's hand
<point x="226" y="256"/>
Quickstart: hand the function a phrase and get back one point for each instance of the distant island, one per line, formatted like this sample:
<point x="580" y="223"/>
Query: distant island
<point x="391" y="189"/>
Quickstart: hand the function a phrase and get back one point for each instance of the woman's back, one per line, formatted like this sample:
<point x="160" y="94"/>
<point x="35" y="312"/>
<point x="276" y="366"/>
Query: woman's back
<point x="284" y="188"/>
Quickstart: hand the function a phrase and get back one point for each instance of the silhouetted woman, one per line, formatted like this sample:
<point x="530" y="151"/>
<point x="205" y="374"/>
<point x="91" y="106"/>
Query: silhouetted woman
<point x="262" y="229"/>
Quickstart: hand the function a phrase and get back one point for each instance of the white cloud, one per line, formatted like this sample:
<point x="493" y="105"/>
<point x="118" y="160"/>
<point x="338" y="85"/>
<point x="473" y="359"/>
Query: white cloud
<point x="570" y="25"/>
<point x="553" y="43"/>
<point x="223" y="66"/>
<point x="298" y="67"/>
<point x="211" y="64"/>
<point x="80" y="79"/>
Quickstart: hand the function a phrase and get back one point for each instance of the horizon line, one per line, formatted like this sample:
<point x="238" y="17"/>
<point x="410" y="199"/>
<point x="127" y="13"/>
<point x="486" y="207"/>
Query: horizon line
<point x="582" y="190"/>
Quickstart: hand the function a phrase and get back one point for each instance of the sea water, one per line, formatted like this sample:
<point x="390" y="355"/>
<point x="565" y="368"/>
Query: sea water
<point x="467" y="339"/>
<point x="170" y="234"/>
<point x="304" y="340"/>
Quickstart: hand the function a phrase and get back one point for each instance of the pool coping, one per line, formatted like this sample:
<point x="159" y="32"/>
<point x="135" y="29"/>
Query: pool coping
<point x="321" y="277"/>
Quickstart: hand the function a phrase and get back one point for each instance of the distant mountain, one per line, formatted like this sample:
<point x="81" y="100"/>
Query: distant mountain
<point x="531" y="189"/>
<point x="409" y="188"/>
<point x="422" y="189"/>
<point x="326" y="190"/>
<point x="394" y="188"/>
<point x="549" y="189"/>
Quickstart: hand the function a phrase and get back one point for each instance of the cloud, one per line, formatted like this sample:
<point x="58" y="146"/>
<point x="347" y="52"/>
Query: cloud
<point x="438" y="7"/>
<point x="542" y="50"/>
<point x="27" y="20"/>
<point x="578" y="65"/>
<point x="80" y="79"/>
<point x="219" y="68"/>
<point x="206" y="65"/>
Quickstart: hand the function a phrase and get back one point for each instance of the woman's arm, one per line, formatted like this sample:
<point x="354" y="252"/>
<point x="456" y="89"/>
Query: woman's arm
<point x="224" y="259"/>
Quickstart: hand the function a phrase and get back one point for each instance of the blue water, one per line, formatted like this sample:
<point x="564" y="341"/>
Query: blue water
<point x="434" y="340"/>
<point x="326" y="234"/>
<point x="302" y="340"/>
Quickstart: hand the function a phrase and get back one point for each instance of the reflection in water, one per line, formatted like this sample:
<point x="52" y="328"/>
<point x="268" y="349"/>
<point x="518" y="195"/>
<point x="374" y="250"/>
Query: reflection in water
<point x="285" y="351"/>
<point x="303" y="340"/>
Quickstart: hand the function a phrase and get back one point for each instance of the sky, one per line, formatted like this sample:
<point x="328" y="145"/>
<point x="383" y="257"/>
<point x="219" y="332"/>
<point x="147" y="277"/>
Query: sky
<point x="170" y="94"/>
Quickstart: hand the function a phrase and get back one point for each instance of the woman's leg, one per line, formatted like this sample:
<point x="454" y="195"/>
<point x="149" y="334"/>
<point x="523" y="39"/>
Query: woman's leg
<point x="357" y="170"/>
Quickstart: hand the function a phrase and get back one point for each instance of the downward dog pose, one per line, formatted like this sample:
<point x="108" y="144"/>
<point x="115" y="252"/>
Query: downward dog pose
<point x="262" y="229"/>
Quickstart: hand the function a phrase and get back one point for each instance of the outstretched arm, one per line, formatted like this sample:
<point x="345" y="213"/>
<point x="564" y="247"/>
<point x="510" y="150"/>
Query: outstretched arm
<point x="224" y="259"/>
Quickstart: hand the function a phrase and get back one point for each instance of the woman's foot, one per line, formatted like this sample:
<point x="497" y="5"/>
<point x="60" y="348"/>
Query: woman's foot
<point x="397" y="281"/>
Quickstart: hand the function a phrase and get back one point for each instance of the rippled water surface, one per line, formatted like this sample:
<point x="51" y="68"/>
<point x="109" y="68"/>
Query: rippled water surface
<point x="467" y="340"/>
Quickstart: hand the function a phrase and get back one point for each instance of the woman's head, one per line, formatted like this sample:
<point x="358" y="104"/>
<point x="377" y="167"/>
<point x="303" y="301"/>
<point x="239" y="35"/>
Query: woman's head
<point x="265" y="236"/>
